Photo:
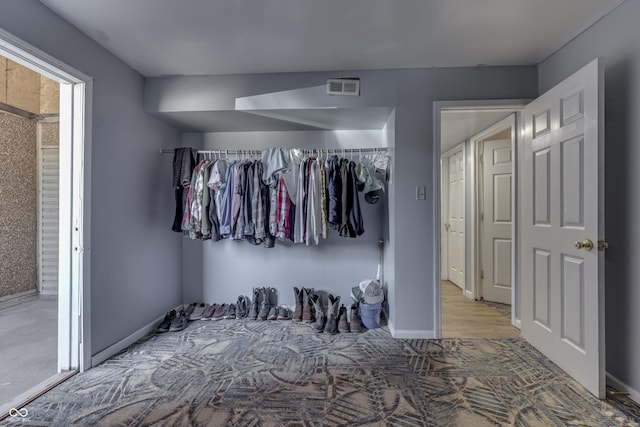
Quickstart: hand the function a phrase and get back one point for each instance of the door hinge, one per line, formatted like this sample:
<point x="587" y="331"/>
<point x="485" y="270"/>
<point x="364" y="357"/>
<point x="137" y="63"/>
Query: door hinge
<point x="482" y="274"/>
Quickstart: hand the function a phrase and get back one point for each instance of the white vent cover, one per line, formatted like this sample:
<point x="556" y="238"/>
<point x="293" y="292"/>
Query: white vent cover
<point x="343" y="87"/>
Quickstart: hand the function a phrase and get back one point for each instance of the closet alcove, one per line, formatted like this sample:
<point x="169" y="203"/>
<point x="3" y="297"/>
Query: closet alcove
<point x="220" y="271"/>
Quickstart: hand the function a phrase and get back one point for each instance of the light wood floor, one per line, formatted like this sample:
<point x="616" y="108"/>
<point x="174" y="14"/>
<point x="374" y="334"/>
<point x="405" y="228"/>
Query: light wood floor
<point x="465" y="318"/>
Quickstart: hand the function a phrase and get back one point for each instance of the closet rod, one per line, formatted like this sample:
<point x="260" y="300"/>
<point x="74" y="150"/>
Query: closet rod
<point x="329" y="150"/>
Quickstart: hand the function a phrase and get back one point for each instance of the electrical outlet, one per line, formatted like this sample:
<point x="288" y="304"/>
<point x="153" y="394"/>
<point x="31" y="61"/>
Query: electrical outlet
<point x="421" y="192"/>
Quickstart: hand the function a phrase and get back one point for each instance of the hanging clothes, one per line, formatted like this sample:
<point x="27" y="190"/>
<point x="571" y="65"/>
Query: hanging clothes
<point x="307" y="196"/>
<point x="226" y="210"/>
<point x="183" y="164"/>
<point x="314" y="208"/>
<point x="283" y="230"/>
<point x="299" y="218"/>
<point x="248" y="231"/>
<point x="323" y="200"/>
<point x="334" y="193"/>
<point x="353" y="226"/>
<point x="257" y="202"/>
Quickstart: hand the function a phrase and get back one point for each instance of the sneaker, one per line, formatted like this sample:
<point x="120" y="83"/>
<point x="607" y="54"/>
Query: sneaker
<point x="253" y="310"/>
<point x="283" y="313"/>
<point x="208" y="313"/>
<point x="166" y="322"/>
<point x="332" y="315"/>
<point x="219" y="312"/>
<point x="297" y="314"/>
<point x="241" y="307"/>
<point x="356" y="322"/>
<point x="343" y="325"/>
<point x="179" y="322"/>
<point x="230" y="312"/>
<point x="189" y="309"/>
<point x="273" y="313"/>
<point x="198" y="311"/>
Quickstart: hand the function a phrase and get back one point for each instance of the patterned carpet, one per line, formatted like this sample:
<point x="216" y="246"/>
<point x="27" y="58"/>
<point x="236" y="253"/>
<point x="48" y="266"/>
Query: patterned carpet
<point x="244" y="373"/>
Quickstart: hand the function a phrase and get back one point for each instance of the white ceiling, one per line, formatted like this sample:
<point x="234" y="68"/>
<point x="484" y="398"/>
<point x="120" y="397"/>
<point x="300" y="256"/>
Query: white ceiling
<point x="206" y="37"/>
<point x="458" y="125"/>
<point x="200" y="37"/>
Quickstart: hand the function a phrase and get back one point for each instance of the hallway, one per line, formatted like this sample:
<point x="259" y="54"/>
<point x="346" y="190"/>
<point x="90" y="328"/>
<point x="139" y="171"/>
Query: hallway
<point x="465" y="318"/>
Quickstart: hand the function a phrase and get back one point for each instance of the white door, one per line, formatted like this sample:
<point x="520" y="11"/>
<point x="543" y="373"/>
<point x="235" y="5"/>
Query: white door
<point x="562" y="195"/>
<point x="496" y="243"/>
<point x="455" y="219"/>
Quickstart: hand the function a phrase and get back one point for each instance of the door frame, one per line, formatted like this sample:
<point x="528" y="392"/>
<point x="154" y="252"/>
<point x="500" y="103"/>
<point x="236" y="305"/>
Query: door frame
<point x="476" y="141"/>
<point x="438" y="107"/>
<point x="445" y="204"/>
<point x="76" y="90"/>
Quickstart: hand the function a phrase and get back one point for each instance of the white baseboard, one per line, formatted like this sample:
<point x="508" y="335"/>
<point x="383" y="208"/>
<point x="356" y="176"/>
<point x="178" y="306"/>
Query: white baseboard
<point x="410" y="334"/>
<point x="116" y="348"/>
<point x="468" y="294"/>
<point x="621" y="386"/>
<point x="517" y="323"/>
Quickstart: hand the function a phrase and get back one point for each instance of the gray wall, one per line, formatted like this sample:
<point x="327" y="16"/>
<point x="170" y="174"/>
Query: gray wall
<point x="412" y="93"/>
<point x="615" y="38"/>
<point x="135" y="259"/>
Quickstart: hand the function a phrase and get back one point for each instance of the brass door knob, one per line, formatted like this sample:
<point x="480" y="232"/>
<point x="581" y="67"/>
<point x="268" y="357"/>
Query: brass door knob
<point x="586" y="244"/>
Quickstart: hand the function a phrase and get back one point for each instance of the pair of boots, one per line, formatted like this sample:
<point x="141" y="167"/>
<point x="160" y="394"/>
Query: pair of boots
<point x="261" y="303"/>
<point x="304" y="307"/>
<point x="329" y="321"/>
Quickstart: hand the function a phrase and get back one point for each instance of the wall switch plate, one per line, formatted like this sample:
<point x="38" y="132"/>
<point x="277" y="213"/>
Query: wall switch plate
<point x="421" y="192"/>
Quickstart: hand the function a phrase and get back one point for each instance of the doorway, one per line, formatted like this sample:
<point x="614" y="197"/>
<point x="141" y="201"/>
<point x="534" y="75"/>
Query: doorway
<point x="73" y="327"/>
<point x="483" y="304"/>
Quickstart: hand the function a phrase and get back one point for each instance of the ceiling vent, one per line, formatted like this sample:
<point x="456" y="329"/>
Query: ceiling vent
<point x="343" y="87"/>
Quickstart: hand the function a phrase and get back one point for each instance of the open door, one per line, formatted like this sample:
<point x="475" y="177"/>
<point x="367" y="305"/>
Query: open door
<point x="497" y="191"/>
<point x="455" y="222"/>
<point x="563" y="219"/>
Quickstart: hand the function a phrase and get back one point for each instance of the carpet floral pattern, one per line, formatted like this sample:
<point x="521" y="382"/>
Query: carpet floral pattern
<point x="244" y="373"/>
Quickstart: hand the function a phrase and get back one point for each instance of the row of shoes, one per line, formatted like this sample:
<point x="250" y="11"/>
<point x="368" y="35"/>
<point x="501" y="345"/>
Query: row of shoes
<point x="260" y="309"/>
<point x="329" y="318"/>
<point x="310" y="308"/>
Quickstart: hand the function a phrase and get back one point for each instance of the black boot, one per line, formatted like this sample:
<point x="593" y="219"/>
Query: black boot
<point x="332" y="315"/>
<point x="297" y="314"/>
<point x="343" y="325"/>
<point x="319" y="323"/>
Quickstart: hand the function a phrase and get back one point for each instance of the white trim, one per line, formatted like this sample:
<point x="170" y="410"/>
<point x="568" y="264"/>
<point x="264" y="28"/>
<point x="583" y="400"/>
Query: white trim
<point x="410" y="334"/>
<point x="622" y="386"/>
<point x="74" y="326"/>
<point x="438" y="107"/>
<point x="127" y="341"/>
<point x="34" y="392"/>
<point x="37" y="60"/>
<point x="444" y="208"/>
<point x="517" y="323"/>
<point x="476" y="267"/>
<point x="468" y="294"/>
<point x="84" y="299"/>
